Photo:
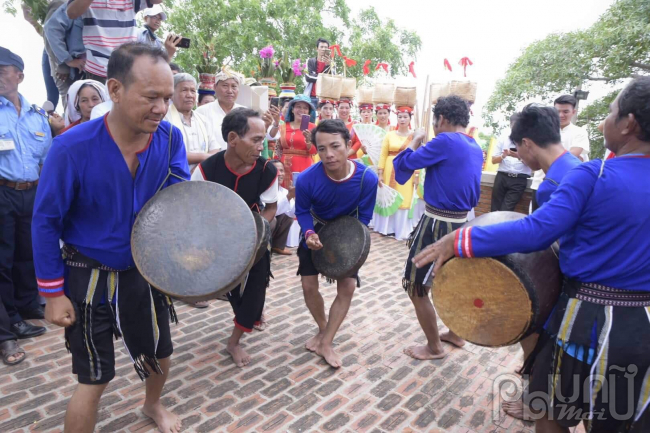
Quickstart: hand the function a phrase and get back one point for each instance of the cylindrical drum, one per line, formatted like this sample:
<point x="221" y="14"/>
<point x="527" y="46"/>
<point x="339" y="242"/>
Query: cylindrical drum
<point x="497" y="301"/>
<point x="194" y="240"/>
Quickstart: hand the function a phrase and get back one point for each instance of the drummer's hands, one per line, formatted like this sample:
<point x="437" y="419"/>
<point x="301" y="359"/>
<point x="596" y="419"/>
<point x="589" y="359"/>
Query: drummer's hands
<point x="313" y="242"/>
<point x="59" y="311"/>
<point x="437" y="253"/>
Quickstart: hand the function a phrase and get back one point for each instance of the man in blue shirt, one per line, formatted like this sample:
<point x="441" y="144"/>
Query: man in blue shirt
<point x="333" y="187"/>
<point x="25" y="138"/>
<point x="537" y="136"/>
<point x="600" y="324"/>
<point x="97" y="178"/>
<point x="452" y="187"/>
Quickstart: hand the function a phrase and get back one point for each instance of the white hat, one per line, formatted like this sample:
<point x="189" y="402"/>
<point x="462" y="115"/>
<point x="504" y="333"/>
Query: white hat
<point x="155" y="10"/>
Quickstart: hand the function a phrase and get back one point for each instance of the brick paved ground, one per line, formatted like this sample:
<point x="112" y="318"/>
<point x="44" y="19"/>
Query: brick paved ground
<point x="285" y="388"/>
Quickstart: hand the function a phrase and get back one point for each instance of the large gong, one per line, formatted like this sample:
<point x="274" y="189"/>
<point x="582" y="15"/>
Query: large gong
<point x="194" y="240"/>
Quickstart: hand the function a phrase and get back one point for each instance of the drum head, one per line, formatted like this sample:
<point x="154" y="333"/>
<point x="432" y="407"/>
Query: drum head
<point x="483" y="301"/>
<point x="497" y="301"/>
<point x="194" y="240"/>
<point x="346" y="244"/>
<point x="263" y="236"/>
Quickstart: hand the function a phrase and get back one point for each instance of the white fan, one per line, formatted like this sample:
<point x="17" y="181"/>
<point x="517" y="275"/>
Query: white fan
<point x="371" y="136"/>
<point x="388" y="201"/>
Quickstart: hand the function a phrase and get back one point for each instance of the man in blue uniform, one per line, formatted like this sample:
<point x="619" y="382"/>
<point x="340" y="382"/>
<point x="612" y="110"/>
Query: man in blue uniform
<point x="595" y="346"/>
<point x="25" y="139"/>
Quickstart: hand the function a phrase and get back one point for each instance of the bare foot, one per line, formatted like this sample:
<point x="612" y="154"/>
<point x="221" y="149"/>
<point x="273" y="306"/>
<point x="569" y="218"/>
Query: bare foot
<point x="424" y="352"/>
<point x="262" y="324"/>
<point x="167" y="422"/>
<point x="313" y="343"/>
<point x="452" y="338"/>
<point x="329" y="355"/>
<point x="514" y="408"/>
<point x="239" y="355"/>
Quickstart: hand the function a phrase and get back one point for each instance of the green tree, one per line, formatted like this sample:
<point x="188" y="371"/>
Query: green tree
<point x="591" y="117"/>
<point x="612" y="50"/>
<point x="237" y="29"/>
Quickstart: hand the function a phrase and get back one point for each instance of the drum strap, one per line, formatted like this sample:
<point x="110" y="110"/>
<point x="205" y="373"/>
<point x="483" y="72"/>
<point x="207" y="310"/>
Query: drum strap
<point x="552" y="181"/>
<point x="169" y="163"/>
<point x="354" y="213"/>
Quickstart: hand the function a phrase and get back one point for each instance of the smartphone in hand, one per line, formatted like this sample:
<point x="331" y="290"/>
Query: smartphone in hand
<point x="304" y="123"/>
<point x="184" y="43"/>
<point x="275" y="102"/>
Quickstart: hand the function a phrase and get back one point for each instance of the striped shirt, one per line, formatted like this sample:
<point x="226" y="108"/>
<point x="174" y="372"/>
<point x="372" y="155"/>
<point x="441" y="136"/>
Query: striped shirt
<point x="107" y="25"/>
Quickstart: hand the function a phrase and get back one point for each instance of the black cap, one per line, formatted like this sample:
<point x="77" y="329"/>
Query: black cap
<point x="7" y="58"/>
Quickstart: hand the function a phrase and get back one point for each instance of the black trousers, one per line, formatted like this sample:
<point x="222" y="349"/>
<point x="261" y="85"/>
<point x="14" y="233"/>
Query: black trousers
<point x="507" y="192"/>
<point x="248" y="307"/>
<point x="280" y="231"/>
<point x="18" y="289"/>
<point x="5" y="331"/>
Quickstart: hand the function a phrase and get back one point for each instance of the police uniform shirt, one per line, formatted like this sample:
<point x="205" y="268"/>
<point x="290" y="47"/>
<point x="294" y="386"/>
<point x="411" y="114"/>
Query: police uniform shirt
<point x="24" y="140"/>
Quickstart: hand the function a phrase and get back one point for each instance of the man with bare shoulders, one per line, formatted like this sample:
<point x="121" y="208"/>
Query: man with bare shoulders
<point x="331" y="188"/>
<point x="96" y="179"/>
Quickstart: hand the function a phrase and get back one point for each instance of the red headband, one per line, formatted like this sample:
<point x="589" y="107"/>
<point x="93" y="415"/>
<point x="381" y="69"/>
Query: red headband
<point x="383" y="107"/>
<point x="408" y="110"/>
<point x="327" y="101"/>
<point x="344" y="101"/>
<point x="365" y="106"/>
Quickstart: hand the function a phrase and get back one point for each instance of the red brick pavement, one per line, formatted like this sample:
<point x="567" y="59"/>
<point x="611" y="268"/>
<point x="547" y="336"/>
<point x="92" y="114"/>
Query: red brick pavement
<point x="285" y="388"/>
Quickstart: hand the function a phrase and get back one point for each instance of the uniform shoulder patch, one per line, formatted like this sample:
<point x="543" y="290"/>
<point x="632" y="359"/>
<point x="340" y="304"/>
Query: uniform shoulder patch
<point x="40" y="111"/>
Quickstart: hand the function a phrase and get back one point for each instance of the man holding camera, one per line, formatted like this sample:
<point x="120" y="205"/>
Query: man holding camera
<point x="512" y="176"/>
<point x="317" y="65"/>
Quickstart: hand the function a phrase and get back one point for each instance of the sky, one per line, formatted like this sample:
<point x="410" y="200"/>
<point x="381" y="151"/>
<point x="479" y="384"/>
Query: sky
<point x="492" y="33"/>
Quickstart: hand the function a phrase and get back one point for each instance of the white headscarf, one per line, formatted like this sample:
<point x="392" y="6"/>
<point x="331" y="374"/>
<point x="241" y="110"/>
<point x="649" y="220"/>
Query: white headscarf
<point x="72" y="114"/>
<point x="226" y="73"/>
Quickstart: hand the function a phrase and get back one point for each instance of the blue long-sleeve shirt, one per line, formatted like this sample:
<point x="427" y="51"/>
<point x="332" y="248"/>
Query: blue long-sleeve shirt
<point x="454" y="162"/>
<point x="329" y="198"/>
<point x="88" y="198"/>
<point x="65" y="35"/>
<point x="603" y="225"/>
<point x="556" y="172"/>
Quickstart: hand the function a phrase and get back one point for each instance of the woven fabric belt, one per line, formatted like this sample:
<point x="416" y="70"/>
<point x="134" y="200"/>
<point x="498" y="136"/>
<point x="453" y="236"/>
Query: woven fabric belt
<point x="604" y="295"/>
<point x="18" y="186"/>
<point x="445" y="215"/>
<point x="70" y="253"/>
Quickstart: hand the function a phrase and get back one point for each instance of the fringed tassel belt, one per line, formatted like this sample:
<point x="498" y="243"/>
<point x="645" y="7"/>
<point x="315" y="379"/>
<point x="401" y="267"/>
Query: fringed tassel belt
<point x="91" y="283"/>
<point x="445" y="215"/>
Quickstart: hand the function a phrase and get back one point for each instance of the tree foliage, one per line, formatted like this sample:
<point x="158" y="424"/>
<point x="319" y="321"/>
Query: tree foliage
<point x="612" y="50"/>
<point x="236" y="29"/>
<point x="591" y="117"/>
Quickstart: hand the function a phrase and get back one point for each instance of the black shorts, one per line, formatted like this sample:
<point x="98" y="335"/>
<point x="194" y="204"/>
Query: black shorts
<point x="306" y="266"/>
<point x="102" y="337"/>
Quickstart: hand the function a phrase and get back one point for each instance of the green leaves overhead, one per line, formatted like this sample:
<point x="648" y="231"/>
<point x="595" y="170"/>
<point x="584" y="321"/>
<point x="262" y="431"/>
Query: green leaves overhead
<point x="615" y="48"/>
<point x="238" y="29"/>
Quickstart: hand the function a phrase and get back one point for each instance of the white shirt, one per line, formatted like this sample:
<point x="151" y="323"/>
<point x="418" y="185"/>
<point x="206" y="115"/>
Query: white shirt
<point x="509" y="164"/>
<point x="285" y="207"/>
<point x="271" y="195"/>
<point x="213" y="115"/>
<point x="192" y="136"/>
<point x="575" y="136"/>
